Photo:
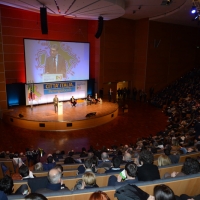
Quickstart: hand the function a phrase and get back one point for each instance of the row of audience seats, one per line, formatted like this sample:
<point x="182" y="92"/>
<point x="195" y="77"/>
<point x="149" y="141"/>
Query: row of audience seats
<point x="181" y="185"/>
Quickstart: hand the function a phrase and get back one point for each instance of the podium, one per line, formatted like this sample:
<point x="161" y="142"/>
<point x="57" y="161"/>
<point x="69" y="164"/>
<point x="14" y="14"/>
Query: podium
<point x="52" y="77"/>
<point x="60" y="108"/>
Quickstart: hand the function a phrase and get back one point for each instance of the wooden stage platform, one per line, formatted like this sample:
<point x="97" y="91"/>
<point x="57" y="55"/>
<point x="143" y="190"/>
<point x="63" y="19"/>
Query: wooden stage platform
<point x="43" y="117"/>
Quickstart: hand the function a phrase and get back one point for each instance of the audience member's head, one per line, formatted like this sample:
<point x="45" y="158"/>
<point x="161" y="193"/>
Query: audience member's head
<point x="35" y="196"/>
<point x="79" y="185"/>
<point x="88" y="163"/>
<point x="190" y="166"/>
<point x="163" y="160"/>
<point x="104" y="156"/>
<point x="50" y="159"/>
<point x="99" y="195"/>
<point x="6" y="184"/>
<point x="24" y="171"/>
<point x="116" y="162"/>
<point x="146" y="157"/>
<point x="131" y="169"/>
<point x="54" y="176"/>
<point x="89" y="178"/>
<point x="95" y="160"/>
<point x="167" y="151"/>
<point x="69" y="160"/>
<point x="38" y="167"/>
<point x="163" y="192"/>
<point x="59" y="167"/>
<point x="127" y="157"/>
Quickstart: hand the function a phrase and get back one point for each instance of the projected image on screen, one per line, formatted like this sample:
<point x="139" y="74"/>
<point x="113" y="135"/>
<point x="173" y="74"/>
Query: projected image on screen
<point x="50" y="61"/>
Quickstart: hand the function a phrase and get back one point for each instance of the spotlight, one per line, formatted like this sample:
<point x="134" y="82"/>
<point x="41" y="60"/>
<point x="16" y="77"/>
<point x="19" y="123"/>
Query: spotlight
<point x="168" y="2"/>
<point x="193" y="9"/>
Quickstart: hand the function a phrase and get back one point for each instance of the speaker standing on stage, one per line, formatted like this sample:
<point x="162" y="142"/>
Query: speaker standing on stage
<point x="73" y="101"/>
<point x="55" y="101"/>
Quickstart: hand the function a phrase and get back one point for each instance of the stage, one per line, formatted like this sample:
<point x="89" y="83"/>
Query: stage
<point x="43" y="117"/>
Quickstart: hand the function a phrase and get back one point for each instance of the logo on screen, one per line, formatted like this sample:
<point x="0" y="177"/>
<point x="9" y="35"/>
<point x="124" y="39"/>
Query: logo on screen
<point x="58" y="78"/>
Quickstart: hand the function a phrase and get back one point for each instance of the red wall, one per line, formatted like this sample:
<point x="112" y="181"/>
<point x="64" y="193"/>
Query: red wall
<point x="18" y="24"/>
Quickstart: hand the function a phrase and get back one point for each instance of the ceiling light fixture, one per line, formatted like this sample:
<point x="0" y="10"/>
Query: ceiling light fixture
<point x="193" y="9"/>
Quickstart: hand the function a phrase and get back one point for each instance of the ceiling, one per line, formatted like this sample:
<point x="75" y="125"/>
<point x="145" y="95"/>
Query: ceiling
<point x="177" y="12"/>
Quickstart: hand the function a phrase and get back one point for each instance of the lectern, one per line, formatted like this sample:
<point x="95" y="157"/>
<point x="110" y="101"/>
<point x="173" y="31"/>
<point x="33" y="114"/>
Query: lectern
<point x="60" y="108"/>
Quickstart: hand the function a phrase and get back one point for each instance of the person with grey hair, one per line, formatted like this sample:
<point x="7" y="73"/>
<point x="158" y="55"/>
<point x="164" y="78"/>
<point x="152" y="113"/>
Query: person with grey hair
<point x="55" y="181"/>
<point x="38" y="166"/>
<point x="105" y="162"/>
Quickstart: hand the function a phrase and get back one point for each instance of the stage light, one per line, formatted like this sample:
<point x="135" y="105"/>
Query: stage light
<point x="193" y="9"/>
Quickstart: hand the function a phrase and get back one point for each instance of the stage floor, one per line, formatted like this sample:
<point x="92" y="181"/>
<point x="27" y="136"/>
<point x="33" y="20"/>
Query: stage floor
<point x="75" y="117"/>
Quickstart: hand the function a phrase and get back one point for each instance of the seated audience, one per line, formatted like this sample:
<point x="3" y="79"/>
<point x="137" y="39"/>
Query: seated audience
<point x="127" y="158"/>
<point x="99" y="195"/>
<point x="55" y="182"/>
<point x="79" y="185"/>
<point x="163" y="160"/>
<point x="50" y="163"/>
<point x="35" y="196"/>
<point x="6" y="185"/>
<point x="163" y="192"/>
<point x="60" y="168"/>
<point x="147" y="171"/>
<point x="128" y="176"/>
<point x="104" y="163"/>
<point x="115" y="165"/>
<point x="38" y="166"/>
<point x="25" y="172"/>
<point x="89" y="180"/>
<point x="86" y="167"/>
<point x="3" y="196"/>
<point x="173" y="157"/>
<point x="190" y="166"/>
<point x="131" y="191"/>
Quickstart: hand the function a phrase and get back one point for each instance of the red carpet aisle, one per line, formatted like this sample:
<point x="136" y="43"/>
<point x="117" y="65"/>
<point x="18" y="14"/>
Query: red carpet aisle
<point x="141" y="120"/>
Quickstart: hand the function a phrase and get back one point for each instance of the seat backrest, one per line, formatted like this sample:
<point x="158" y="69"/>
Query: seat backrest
<point x="37" y="183"/>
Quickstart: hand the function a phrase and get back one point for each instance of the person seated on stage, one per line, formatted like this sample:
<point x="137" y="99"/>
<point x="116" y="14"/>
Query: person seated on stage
<point x="73" y="101"/>
<point x="50" y="163"/>
<point x="89" y="99"/>
<point x="97" y="100"/>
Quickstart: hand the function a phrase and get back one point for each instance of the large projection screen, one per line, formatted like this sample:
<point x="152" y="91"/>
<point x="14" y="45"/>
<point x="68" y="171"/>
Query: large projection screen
<point x="52" y="61"/>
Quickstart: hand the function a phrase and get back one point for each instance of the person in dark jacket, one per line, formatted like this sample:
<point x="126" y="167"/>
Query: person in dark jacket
<point x="147" y="171"/>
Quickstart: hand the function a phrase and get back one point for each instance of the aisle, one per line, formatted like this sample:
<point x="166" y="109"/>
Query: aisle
<point x="141" y="120"/>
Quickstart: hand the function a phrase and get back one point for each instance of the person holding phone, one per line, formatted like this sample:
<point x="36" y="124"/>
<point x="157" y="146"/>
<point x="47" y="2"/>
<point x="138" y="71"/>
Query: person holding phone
<point x="127" y="176"/>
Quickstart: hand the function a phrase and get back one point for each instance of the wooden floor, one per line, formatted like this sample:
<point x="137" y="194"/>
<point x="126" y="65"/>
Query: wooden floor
<point x="47" y="112"/>
<point x="141" y="120"/>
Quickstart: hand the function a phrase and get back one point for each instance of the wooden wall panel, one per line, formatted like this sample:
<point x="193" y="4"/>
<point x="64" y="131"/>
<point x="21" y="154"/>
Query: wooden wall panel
<point x="174" y="56"/>
<point x="116" y="53"/>
<point x="140" y="53"/>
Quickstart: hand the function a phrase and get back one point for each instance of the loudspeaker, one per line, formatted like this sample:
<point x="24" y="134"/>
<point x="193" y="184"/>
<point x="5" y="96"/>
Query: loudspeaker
<point x="91" y="114"/>
<point x="20" y="115"/>
<point x="100" y="27"/>
<point x="69" y="124"/>
<point x="43" y="20"/>
<point x="41" y="124"/>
